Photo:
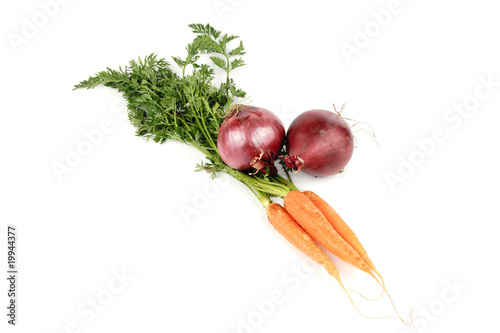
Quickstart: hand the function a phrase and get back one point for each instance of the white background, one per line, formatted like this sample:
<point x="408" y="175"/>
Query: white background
<point x="433" y="234"/>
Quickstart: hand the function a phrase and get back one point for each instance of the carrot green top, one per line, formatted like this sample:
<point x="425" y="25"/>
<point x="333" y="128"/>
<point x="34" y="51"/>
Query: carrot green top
<point x="187" y="105"/>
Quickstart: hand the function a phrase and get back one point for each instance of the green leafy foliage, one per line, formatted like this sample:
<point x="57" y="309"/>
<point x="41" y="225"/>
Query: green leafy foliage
<point x="185" y="104"/>
<point x="184" y="107"/>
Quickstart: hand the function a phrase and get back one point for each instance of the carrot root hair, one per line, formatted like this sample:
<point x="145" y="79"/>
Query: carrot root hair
<point x="382" y="284"/>
<point x="371" y="317"/>
<point x="338" y="280"/>
<point x="357" y="292"/>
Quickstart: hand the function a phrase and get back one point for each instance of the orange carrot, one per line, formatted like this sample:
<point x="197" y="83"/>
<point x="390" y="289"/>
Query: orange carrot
<point x="309" y="217"/>
<point x="342" y="228"/>
<point x="298" y="237"/>
<point x="350" y="237"/>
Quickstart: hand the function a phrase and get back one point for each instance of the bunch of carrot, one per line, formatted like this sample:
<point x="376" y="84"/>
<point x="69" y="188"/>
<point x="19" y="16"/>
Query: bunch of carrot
<point x="307" y="220"/>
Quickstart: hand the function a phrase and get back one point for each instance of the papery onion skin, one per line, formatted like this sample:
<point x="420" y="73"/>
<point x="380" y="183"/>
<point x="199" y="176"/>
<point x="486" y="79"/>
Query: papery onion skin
<point x="322" y="139"/>
<point x="247" y="133"/>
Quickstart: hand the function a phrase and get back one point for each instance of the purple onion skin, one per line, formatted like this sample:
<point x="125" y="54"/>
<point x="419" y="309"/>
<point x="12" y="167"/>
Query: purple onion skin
<point x="322" y="139"/>
<point x="245" y="134"/>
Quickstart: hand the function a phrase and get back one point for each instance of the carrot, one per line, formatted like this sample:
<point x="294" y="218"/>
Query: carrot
<point x="309" y="217"/>
<point x="342" y="229"/>
<point x="298" y="237"/>
<point x="350" y="237"/>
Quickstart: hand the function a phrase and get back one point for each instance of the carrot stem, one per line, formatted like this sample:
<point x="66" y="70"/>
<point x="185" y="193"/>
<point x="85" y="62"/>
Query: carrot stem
<point x="288" y="183"/>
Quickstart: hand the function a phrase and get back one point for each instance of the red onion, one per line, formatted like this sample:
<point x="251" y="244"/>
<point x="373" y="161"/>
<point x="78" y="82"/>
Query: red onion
<point x="250" y="138"/>
<point x="319" y="142"/>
